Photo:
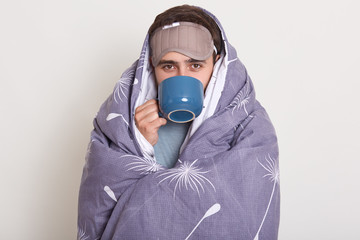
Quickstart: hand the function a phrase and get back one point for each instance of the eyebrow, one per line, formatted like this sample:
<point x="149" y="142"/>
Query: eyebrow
<point x="190" y="60"/>
<point x="162" y="62"/>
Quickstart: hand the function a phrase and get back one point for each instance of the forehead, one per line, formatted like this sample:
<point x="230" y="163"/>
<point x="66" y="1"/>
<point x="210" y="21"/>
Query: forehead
<point x="174" y="55"/>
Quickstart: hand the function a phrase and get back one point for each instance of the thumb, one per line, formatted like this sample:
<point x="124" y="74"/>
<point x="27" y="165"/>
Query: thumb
<point x="163" y="121"/>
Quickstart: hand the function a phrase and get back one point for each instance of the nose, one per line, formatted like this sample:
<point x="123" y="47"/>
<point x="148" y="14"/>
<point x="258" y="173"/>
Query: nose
<point x="181" y="71"/>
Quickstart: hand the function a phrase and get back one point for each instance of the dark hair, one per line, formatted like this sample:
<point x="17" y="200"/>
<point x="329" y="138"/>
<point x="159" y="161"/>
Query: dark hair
<point x="187" y="13"/>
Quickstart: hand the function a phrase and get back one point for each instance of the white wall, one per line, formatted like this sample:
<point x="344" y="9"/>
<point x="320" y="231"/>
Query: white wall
<point x="59" y="60"/>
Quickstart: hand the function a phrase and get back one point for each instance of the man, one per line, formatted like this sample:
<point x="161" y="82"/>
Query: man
<point x="173" y="57"/>
<point x="216" y="177"/>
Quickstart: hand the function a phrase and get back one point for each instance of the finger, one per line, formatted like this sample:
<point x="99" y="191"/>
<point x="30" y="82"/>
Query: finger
<point x="151" y="111"/>
<point x="151" y="128"/>
<point x="146" y="104"/>
<point x="157" y="123"/>
<point x="150" y="117"/>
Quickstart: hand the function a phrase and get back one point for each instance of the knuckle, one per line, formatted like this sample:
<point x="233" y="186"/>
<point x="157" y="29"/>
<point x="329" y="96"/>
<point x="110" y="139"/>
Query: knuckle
<point x="138" y="109"/>
<point x="137" y="118"/>
<point x="147" y="128"/>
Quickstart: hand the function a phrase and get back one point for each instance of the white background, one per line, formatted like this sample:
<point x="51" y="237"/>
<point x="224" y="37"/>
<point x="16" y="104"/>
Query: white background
<point x="59" y="60"/>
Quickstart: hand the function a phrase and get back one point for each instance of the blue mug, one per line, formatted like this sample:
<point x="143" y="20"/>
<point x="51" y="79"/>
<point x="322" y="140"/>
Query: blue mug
<point x="181" y="98"/>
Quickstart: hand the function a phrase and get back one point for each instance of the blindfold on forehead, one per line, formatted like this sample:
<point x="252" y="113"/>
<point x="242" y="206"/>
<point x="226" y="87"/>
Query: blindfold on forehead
<point x="190" y="39"/>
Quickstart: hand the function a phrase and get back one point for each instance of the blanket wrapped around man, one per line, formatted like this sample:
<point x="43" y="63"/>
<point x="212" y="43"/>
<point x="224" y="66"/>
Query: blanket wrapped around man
<point x="225" y="184"/>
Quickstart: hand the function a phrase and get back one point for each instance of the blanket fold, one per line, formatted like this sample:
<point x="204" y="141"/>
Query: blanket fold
<point x="225" y="184"/>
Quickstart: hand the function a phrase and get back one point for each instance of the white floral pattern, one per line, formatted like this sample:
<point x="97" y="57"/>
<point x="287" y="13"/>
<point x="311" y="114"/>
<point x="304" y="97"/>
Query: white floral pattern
<point x="123" y="85"/>
<point x="81" y="235"/>
<point x="187" y="176"/>
<point x="272" y="169"/>
<point x="142" y="164"/>
<point x="110" y="192"/>
<point x="241" y="100"/>
<point x="142" y="58"/>
<point x="211" y="211"/>
<point x="111" y="116"/>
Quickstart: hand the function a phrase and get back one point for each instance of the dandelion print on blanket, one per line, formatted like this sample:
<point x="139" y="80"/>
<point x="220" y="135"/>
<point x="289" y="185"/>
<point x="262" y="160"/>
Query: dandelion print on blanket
<point x="211" y="211"/>
<point x="142" y="164"/>
<point x="241" y="100"/>
<point x="81" y="234"/>
<point x="187" y="176"/>
<point x="272" y="168"/>
<point x="110" y="192"/>
<point x="111" y="116"/>
<point x="123" y="85"/>
<point x="142" y="58"/>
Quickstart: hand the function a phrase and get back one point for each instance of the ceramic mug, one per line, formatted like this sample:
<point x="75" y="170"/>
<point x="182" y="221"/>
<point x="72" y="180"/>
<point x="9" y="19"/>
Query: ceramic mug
<point x="181" y="98"/>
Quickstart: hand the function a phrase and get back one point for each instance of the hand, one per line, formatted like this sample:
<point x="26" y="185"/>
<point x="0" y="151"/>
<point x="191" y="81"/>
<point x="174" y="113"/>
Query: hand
<point x="148" y="121"/>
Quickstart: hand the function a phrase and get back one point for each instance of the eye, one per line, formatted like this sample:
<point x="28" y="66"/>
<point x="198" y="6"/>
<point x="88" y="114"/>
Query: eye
<point x="196" y="66"/>
<point x="168" y="67"/>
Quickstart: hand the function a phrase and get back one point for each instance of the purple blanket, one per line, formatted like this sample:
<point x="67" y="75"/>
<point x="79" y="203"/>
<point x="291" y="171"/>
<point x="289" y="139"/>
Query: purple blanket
<point x="225" y="184"/>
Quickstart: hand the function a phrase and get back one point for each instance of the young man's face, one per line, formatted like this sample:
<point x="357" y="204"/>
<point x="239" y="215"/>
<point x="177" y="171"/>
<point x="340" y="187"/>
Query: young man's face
<point x="176" y="64"/>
